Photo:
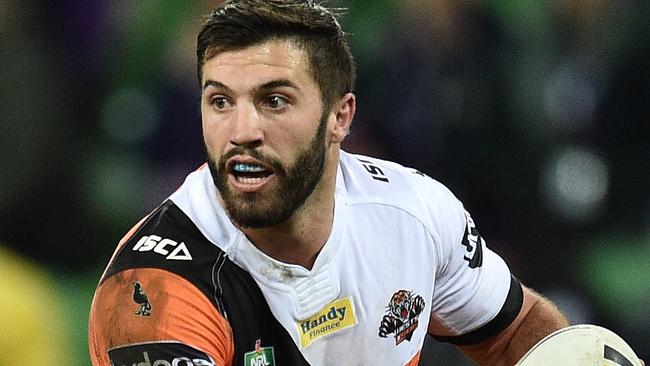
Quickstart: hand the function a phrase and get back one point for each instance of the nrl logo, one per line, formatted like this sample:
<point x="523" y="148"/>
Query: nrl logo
<point x="401" y="316"/>
<point x="261" y="356"/>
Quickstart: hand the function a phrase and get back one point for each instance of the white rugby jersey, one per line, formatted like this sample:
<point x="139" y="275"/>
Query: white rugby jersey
<point x="402" y="249"/>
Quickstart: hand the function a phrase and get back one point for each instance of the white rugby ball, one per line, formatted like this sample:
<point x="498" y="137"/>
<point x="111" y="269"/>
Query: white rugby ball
<point x="581" y="345"/>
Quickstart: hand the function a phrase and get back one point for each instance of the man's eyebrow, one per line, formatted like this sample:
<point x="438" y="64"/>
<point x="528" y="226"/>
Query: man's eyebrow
<point x="277" y="84"/>
<point x="216" y="84"/>
<point x="262" y="88"/>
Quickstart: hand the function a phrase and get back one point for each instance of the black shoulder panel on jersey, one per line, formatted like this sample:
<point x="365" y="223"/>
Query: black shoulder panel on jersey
<point x="504" y="318"/>
<point x="169" y="240"/>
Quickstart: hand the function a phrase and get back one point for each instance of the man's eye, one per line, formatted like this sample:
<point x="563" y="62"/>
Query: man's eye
<point x="220" y="102"/>
<point x="276" y="102"/>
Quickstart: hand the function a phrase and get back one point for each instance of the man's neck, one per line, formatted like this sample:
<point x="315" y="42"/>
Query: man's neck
<point x="297" y="241"/>
<point x="301" y="238"/>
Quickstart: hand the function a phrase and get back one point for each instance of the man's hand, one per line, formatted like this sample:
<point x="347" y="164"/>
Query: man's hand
<point x="537" y="318"/>
<point x="581" y="344"/>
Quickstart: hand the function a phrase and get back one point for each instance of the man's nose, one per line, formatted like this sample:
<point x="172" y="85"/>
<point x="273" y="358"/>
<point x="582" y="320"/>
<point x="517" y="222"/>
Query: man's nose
<point x="247" y="127"/>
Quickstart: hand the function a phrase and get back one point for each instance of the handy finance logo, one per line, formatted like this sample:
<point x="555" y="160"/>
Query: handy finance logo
<point x="334" y="317"/>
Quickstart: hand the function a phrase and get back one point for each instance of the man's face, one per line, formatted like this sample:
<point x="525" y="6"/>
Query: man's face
<point x="264" y="131"/>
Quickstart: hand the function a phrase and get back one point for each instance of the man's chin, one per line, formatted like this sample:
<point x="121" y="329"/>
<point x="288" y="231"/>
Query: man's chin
<point x="251" y="215"/>
<point x="254" y="221"/>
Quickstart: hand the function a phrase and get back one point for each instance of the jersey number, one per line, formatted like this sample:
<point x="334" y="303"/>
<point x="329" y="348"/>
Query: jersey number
<point x="375" y="171"/>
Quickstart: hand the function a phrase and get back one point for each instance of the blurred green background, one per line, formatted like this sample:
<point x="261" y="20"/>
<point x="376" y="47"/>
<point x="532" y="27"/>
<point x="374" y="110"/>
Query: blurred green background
<point x="535" y="113"/>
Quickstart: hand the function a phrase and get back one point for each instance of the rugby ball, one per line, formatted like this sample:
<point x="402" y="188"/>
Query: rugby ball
<point x="581" y="345"/>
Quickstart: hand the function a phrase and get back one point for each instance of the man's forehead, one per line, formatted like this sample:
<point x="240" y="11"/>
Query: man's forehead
<point x="276" y="55"/>
<point x="261" y="65"/>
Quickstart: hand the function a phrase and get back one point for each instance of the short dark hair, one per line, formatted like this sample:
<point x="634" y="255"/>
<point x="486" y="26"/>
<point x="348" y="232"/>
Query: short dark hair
<point x="237" y="24"/>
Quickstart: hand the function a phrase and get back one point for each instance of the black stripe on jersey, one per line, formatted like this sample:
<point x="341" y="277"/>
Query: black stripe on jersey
<point x="237" y="297"/>
<point x="504" y="318"/>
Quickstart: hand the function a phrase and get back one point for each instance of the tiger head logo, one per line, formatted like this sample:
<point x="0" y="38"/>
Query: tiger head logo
<point x="400" y="304"/>
<point x="402" y="315"/>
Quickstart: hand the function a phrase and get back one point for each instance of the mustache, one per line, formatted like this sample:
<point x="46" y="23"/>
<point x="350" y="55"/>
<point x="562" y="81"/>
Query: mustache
<point x="274" y="163"/>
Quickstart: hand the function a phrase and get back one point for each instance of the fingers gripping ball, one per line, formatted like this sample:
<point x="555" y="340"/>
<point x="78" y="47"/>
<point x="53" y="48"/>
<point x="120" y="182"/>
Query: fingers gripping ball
<point x="581" y="345"/>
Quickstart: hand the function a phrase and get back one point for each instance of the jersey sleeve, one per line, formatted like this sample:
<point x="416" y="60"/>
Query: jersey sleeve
<point x="475" y="296"/>
<point x="144" y="315"/>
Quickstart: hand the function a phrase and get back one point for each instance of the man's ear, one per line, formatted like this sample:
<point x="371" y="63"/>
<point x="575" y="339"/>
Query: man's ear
<point x="345" y="109"/>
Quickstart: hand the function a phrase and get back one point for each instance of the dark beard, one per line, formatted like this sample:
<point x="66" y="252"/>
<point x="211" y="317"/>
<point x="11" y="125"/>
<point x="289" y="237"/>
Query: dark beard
<point x="295" y="184"/>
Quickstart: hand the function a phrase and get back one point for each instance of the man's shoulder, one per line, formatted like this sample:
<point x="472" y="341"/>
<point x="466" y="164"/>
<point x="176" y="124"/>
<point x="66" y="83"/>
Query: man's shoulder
<point x="159" y="282"/>
<point x="166" y="239"/>
<point x="184" y="282"/>
<point x="370" y="180"/>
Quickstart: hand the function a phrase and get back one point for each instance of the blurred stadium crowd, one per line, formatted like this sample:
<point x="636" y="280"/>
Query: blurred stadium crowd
<point x="535" y="113"/>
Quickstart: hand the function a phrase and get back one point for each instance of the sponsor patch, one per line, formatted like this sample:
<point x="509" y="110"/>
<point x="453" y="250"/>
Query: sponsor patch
<point x="159" y="354"/>
<point x="402" y="314"/>
<point x="168" y="248"/>
<point x="261" y="356"/>
<point x="334" y="317"/>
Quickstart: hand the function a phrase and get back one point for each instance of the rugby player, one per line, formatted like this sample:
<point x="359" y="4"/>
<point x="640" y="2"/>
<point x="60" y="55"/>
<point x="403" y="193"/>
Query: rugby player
<point x="284" y="249"/>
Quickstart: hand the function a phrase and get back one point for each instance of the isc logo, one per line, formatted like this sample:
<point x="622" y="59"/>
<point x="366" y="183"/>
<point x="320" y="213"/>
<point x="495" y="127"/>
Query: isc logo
<point x="167" y="247"/>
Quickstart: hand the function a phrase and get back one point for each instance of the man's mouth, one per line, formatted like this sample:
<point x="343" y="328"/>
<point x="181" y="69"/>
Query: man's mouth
<point x="248" y="174"/>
